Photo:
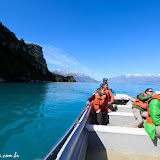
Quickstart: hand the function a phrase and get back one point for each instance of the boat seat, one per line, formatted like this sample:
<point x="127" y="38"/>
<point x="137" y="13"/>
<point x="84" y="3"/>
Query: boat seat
<point x="124" y="108"/>
<point x="121" y="118"/>
<point x="122" y="139"/>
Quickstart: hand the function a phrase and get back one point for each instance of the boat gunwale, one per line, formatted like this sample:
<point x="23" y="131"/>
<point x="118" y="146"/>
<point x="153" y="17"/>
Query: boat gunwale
<point x="52" y="153"/>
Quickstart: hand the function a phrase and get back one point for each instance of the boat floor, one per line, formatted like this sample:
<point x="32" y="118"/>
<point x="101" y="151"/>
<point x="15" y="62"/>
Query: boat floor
<point x="97" y="154"/>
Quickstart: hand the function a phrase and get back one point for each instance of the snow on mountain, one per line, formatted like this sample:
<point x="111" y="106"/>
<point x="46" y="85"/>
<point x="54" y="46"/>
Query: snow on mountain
<point x="137" y="75"/>
<point x="136" y="78"/>
<point x="79" y="77"/>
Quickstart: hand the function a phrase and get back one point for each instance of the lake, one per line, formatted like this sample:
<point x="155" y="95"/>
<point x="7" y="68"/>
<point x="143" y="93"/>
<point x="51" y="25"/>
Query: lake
<point x="33" y="116"/>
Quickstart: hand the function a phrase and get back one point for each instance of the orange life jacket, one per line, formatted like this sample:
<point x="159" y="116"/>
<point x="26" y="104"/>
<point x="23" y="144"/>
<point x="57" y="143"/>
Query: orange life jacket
<point x="149" y="119"/>
<point x="98" y="101"/>
<point x="109" y="94"/>
<point x="141" y="103"/>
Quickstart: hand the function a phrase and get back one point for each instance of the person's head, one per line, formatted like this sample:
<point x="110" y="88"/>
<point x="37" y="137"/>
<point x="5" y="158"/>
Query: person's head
<point x="105" y="85"/>
<point x="105" y="79"/>
<point x="149" y="91"/>
<point x="101" y="90"/>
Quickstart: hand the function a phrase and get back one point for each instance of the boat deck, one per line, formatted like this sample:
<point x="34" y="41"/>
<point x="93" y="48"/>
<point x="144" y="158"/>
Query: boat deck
<point x="98" y="154"/>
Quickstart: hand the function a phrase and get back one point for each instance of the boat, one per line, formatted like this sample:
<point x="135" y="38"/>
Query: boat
<point x="85" y="141"/>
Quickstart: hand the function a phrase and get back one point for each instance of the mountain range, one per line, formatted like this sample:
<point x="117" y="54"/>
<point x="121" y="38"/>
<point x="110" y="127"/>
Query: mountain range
<point x="136" y="78"/>
<point x="78" y="76"/>
<point x="128" y="78"/>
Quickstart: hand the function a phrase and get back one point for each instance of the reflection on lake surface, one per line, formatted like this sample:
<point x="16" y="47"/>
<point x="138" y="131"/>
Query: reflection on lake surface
<point x="33" y="116"/>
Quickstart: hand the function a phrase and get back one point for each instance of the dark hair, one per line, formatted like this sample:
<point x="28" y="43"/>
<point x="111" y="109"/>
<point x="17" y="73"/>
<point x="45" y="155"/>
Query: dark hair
<point x="148" y="89"/>
<point x="99" y="89"/>
<point x="104" y="83"/>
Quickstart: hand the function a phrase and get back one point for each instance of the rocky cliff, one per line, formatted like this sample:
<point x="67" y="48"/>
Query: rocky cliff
<point x="20" y="61"/>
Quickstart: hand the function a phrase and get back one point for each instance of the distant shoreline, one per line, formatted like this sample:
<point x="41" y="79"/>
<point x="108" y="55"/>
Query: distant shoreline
<point x="38" y="81"/>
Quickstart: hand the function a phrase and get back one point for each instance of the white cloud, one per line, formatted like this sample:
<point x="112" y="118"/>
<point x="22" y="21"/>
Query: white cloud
<point x="56" y="57"/>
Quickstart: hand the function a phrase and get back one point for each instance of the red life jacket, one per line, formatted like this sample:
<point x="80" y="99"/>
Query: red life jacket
<point x="141" y="103"/>
<point x="149" y="119"/>
<point x="109" y="94"/>
<point x="98" y="101"/>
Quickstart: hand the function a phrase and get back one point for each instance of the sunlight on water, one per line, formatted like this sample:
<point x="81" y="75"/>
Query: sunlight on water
<point x="35" y="115"/>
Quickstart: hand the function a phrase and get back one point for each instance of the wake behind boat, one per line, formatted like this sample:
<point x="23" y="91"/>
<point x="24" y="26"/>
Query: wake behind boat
<point x="84" y="141"/>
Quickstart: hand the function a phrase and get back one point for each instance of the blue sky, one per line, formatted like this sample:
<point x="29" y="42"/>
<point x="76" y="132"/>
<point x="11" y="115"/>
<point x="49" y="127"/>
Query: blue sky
<point x="101" y="38"/>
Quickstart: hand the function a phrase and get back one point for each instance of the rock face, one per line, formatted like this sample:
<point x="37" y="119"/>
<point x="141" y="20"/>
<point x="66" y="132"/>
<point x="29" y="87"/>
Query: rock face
<point x="79" y="77"/>
<point x="36" y="52"/>
<point x="23" y="62"/>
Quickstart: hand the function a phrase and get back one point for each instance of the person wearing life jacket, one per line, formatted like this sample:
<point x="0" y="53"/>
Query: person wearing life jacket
<point x="139" y="108"/>
<point x="100" y="110"/>
<point x="110" y="96"/>
<point x="152" y="124"/>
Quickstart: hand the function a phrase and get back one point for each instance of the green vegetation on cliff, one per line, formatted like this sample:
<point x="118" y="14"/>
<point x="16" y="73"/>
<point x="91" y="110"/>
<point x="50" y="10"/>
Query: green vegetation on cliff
<point x="60" y="78"/>
<point x="20" y="61"/>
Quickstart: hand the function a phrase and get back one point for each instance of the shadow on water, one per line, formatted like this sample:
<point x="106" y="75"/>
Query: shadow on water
<point x="19" y="106"/>
<point x="33" y="115"/>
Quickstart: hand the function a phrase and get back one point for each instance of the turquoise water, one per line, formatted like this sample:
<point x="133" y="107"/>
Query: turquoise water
<point x="33" y="116"/>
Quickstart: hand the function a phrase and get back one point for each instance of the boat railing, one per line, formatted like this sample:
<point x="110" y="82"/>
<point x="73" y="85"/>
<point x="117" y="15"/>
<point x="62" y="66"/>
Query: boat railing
<point x="75" y="129"/>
